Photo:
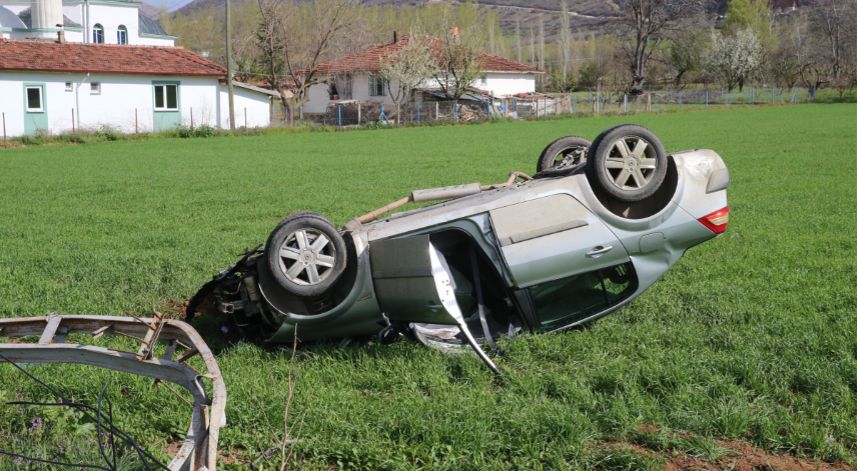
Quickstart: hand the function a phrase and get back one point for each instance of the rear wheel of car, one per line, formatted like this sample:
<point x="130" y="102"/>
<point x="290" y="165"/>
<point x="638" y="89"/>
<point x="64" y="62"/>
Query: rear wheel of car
<point x="628" y="162"/>
<point x="564" y="152"/>
<point x="306" y="254"/>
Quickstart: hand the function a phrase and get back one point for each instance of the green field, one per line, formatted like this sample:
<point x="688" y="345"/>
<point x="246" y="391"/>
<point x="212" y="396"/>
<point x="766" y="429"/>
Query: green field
<point x="752" y="336"/>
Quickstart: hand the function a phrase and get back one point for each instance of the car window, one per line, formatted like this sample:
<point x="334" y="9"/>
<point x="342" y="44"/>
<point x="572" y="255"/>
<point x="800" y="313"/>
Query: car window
<point x="564" y="301"/>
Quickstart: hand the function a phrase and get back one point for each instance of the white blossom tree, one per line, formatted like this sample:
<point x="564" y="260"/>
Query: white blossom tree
<point x="733" y="59"/>
<point x="407" y="68"/>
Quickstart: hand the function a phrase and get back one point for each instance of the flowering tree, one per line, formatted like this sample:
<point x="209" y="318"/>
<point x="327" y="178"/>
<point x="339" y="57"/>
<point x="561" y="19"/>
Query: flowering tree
<point x="407" y="68"/>
<point x="733" y="59"/>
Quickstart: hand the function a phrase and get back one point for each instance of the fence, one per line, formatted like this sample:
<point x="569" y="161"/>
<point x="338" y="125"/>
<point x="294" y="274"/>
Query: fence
<point x="535" y="106"/>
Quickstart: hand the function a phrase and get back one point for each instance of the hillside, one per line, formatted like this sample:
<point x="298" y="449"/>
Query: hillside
<point x="585" y="15"/>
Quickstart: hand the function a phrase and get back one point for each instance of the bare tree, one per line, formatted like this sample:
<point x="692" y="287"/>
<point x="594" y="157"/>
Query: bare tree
<point x="294" y="38"/>
<point x="518" y="42"/>
<point x="646" y="23"/>
<point x="407" y="68"/>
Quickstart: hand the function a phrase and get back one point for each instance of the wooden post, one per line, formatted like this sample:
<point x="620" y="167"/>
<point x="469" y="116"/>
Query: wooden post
<point x="649" y="101"/>
<point x="191" y="118"/>
<point x="359" y="113"/>
<point x="72" y="120"/>
<point x="4" y="125"/>
<point x="436" y="110"/>
<point x="136" y="125"/>
<point x="245" y="117"/>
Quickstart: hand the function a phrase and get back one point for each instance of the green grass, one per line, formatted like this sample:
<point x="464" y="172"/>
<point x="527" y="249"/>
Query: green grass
<point x="751" y="336"/>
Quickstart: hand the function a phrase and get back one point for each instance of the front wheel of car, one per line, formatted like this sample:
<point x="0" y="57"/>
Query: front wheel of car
<point x="564" y="152"/>
<point x="628" y="162"/>
<point x="306" y="254"/>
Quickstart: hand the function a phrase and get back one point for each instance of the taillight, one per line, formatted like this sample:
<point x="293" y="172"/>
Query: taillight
<point x="716" y="221"/>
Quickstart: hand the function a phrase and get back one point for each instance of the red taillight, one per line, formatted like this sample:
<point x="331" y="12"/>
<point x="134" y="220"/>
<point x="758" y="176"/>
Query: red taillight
<point x="716" y="221"/>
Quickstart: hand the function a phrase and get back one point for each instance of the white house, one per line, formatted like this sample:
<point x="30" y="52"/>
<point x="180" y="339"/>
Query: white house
<point x="82" y="21"/>
<point x="60" y="87"/>
<point x="355" y="77"/>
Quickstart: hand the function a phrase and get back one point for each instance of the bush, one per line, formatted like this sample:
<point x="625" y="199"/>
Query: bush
<point x="107" y="133"/>
<point x="186" y="132"/>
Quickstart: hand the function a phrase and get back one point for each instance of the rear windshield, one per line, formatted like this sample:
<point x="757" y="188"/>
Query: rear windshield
<point x="561" y="302"/>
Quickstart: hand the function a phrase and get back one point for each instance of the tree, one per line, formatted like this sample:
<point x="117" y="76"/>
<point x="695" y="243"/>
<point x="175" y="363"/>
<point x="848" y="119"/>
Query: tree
<point x="564" y="48"/>
<point x="591" y="73"/>
<point x="835" y="21"/>
<point x="406" y="68"/>
<point x="645" y="24"/>
<point x="294" y="38"/>
<point x="459" y="64"/>
<point x="752" y="14"/>
<point x="686" y="53"/>
<point x="733" y="59"/>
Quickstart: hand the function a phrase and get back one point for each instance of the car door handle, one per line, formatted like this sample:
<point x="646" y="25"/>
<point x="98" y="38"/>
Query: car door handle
<point x="599" y="250"/>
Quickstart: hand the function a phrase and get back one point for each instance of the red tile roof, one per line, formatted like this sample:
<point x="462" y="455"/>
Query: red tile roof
<point x="370" y="60"/>
<point x="48" y="56"/>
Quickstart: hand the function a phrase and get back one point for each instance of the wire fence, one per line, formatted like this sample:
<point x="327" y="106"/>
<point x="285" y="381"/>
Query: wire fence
<point x="543" y="105"/>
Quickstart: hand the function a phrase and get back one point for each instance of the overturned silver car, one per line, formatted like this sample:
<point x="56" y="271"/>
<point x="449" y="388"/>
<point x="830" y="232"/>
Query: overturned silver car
<point x="596" y="226"/>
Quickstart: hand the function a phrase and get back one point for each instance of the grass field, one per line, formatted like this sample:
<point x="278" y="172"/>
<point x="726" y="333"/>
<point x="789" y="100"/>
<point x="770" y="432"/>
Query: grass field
<point x="752" y="336"/>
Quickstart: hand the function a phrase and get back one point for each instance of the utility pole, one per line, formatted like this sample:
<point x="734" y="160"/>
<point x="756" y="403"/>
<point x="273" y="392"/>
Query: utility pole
<point x="229" y="67"/>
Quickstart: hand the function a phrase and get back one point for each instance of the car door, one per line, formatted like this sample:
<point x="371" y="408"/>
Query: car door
<point x="553" y="237"/>
<point x="414" y="283"/>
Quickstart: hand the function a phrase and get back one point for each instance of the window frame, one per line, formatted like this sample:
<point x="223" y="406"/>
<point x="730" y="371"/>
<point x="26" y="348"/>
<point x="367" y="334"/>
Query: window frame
<point x="69" y="86"/>
<point x="122" y="35"/>
<point x="165" y="96"/>
<point x="576" y="318"/>
<point x="97" y="34"/>
<point x="95" y="88"/>
<point x="374" y="82"/>
<point x="41" y="89"/>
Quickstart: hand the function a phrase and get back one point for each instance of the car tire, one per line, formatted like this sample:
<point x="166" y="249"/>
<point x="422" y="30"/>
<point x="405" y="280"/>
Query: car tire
<point x="622" y="169"/>
<point x="306" y="254"/>
<point x="564" y="152"/>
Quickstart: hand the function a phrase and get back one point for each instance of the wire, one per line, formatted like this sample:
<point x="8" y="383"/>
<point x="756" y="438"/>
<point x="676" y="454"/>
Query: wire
<point x="84" y="408"/>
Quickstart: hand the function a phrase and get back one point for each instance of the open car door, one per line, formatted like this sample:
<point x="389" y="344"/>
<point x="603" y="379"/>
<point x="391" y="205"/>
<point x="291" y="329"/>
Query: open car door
<point x="414" y="283"/>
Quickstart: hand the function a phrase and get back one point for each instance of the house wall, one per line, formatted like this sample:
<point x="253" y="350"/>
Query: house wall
<point x="498" y="83"/>
<point x="319" y="97"/>
<point x="252" y="109"/>
<point x="120" y="97"/>
<point x="505" y="84"/>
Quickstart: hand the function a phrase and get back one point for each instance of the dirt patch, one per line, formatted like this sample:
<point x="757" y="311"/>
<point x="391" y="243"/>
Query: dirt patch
<point x="175" y="309"/>
<point x="739" y="456"/>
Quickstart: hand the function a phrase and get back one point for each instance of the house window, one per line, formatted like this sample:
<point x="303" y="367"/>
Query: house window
<point x="484" y="80"/>
<point x="166" y="97"/>
<point x="69" y="87"/>
<point x="98" y="34"/>
<point x="377" y="86"/>
<point x="122" y="35"/>
<point x="34" y="100"/>
<point x="95" y="88"/>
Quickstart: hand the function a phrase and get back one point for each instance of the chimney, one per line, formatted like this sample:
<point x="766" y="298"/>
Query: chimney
<point x="60" y="34"/>
<point x="395" y="37"/>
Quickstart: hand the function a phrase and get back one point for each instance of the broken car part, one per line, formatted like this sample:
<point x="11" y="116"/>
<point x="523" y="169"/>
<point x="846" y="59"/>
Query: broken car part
<point x="198" y="451"/>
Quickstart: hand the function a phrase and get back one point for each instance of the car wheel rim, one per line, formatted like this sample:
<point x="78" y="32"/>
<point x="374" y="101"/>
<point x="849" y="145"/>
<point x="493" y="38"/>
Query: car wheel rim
<point x="629" y="164"/>
<point x="569" y="157"/>
<point x="307" y="257"/>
